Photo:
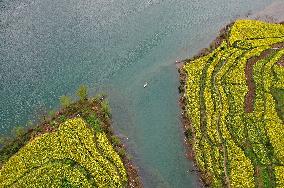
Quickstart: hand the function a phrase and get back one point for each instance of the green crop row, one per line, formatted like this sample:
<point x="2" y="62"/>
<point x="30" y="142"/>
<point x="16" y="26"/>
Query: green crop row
<point x="232" y="146"/>
<point x="73" y="141"/>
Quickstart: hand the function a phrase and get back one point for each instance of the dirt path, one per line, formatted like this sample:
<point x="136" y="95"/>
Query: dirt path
<point x="249" y="99"/>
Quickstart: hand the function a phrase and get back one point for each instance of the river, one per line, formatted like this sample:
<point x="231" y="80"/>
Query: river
<point x="48" y="48"/>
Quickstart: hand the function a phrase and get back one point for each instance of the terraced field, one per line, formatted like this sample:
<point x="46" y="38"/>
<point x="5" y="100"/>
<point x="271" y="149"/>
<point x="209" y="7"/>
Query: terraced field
<point x="72" y="155"/>
<point x="72" y="149"/>
<point x="233" y="102"/>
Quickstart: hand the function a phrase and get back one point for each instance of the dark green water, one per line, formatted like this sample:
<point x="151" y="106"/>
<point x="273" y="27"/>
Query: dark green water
<point x="48" y="48"/>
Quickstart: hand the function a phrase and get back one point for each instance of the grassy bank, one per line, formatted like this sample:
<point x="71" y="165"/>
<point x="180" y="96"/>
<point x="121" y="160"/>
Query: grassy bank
<point x="73" y="147"/>
<point x="232" y="99"/>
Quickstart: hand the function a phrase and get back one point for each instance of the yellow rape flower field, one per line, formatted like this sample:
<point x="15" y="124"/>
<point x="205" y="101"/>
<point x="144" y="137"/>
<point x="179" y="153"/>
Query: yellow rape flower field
<point x="233" y="101"/>
<point x="77" y="150"/>
<point x="69" y="154"/>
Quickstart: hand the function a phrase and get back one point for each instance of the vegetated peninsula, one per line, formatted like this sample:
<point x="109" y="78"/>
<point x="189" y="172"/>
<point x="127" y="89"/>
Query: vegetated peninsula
<point x="233" y="106"/>
<point x="75" y="147"/>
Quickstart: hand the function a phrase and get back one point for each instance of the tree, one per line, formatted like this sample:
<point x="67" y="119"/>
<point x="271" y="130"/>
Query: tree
<point x="82" y="92"/>
<point x="65" y="101"/>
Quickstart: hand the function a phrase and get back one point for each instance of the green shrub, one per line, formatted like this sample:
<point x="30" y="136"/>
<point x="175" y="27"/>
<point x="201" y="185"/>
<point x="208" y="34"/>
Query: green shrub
<point x="82" y="92"/>
<point x="121" y="152"/>
<point x="62" y="118"/>
<point x="115" y="140"/>
<point x="94" y="122"/>
<point x="51" y="113"/>
<point x="106" y="108"/>
<point x="65" y="101"/>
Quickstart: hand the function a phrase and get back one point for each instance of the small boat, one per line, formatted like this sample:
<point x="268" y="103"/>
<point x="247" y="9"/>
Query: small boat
<point x="146" y="84"/>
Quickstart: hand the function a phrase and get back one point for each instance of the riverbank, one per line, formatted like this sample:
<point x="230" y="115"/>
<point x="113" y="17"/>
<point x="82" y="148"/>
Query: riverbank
<point x="186" y="122"/>
<point x="199" y="104"/>
<point x="185" y="119"/>
<point x="95" y="112"/>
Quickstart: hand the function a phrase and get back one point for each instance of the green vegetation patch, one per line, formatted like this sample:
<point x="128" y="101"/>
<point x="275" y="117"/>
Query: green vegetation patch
<point x="234" y="101"/>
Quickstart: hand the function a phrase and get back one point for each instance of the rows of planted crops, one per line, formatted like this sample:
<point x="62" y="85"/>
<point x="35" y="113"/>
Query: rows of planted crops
<point x="234" y="147"/>
<point x="75" y="153"/>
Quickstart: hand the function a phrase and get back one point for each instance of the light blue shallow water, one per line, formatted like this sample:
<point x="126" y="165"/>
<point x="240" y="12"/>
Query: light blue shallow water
<point x="48" y="48"/>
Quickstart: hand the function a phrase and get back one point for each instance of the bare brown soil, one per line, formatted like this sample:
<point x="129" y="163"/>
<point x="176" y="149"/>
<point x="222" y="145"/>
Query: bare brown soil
<point x="132" y="172"/>
<point x="281" y="62"/>
<point x="249" y="98"/>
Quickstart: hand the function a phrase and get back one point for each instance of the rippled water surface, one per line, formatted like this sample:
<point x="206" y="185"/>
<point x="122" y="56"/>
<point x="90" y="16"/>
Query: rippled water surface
<point x="48" y="48"/>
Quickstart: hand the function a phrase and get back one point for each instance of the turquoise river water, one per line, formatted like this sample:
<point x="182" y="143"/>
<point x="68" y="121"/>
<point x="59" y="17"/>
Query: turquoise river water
<point x="48" y="48"/>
